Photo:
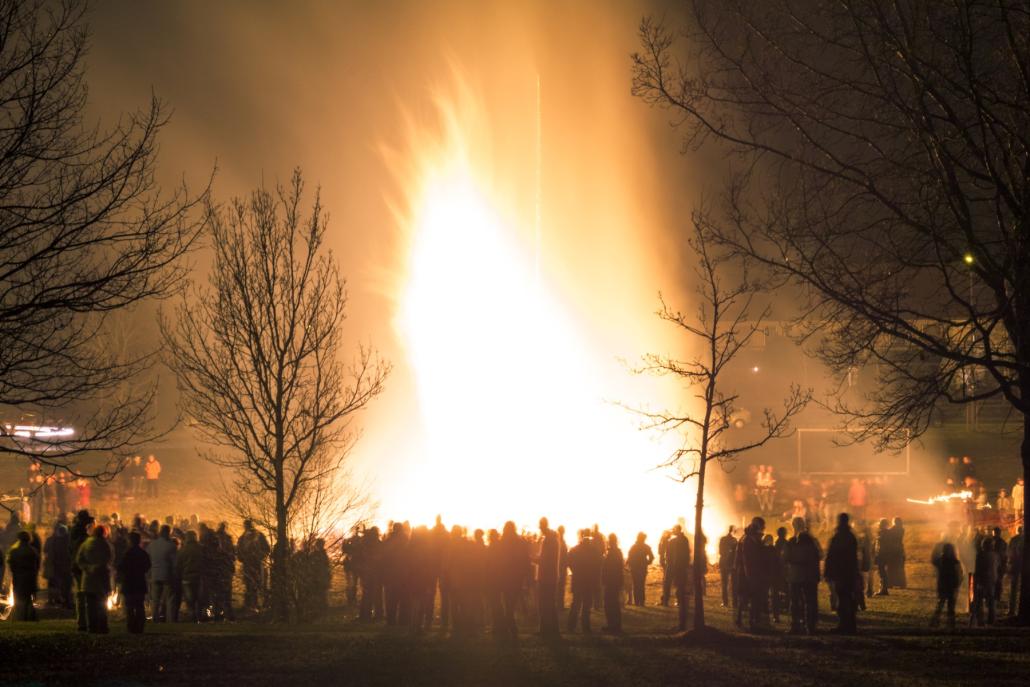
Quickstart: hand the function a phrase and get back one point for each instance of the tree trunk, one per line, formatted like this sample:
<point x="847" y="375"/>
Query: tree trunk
<point x="280" y="554"/>
<point x="699" y="552"/>
<point x="1024" y="453"/>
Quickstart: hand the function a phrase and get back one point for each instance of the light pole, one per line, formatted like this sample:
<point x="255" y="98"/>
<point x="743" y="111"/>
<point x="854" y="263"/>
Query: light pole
<point x="969" y="260"/>
<point x="972" y="419"/>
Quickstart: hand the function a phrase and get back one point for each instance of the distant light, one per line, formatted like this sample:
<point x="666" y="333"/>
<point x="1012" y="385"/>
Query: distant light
<point x="968" y="257"/>
<point x="755" y="368"/>
<point x="37" y="432"/>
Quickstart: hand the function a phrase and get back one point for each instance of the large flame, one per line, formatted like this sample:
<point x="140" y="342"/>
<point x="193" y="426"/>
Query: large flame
<point x="515" y="402"/>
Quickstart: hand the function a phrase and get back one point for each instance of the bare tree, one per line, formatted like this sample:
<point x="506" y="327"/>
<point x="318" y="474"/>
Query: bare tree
<point x="723" y="325"/>
<point x="84" y="232"/>
<point x="880" y="156"/>
<point x="256" y="356"/>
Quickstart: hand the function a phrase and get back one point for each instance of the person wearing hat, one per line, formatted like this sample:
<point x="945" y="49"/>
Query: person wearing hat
<point x="78" y="535"/>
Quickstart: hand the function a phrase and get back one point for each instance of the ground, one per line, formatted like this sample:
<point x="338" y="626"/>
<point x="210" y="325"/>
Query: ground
<point x="895" y="647"/>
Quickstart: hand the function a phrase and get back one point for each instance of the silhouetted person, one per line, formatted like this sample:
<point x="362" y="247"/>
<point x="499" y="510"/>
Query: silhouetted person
<point x="1001" y="552"/>
<point x="94" y="559"/>
<point x="1015" y="565"/>
<point x="133" y="569"/>
<point x="563" y="567"/>
<point x="253" y="549"/>
<point x="802" y="555"/>
<point x="162" y="552"/>
<point x="679" y="572"/>
<point x="547" y="580"/>
<point x="896" y="568"/>
<point x="663" y="563"/>
<point x="320" y="573"/>
<point x="842" y="572"/>
<point x="780" y="593"/>
<point x="478" y="579"/>
<point x="494" y="572"/>
<point x="23" y="562"/>
<point x="757" y="573"/>
<point x="727" y="553"/>
<point x="865" y="562"/>
<point x="985" y="578"/>
<point x="949" y="580"/>
<point x="394" y="574"/>
<point x="882" y="555"/>
<point x="349" y="550"/>
<point x="597" y="539"/>
<point x="370" y="579"/>
<point x="585" y="563"/>
<point x="448" y="572"/>
<point x="225" y="570"/>
<point x="514" y="556"/>
<point x="638" y="560"/>
<point x="9" y="534"/>
<point x="210" y="572"/>
<point x="189" y="570"/>
<point x="57" y="567"/>
<point x="741" y="585"/>
<point x="438" y="547"/>
<point x="421" y="578"/>
<point x="611" y="581"/>
<point x="76" y="538"/>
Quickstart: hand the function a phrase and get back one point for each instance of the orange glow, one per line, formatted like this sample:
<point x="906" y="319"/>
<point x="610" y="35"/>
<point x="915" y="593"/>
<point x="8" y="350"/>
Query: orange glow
<point x="514" y="393"/>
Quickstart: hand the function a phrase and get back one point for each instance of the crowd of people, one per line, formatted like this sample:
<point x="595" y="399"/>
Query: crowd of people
<point x="1007" y="505"/>
<point x="816" y="499"/>
<point x="49" y="494"/>
<point x="977" y="559"/>
<point x="181" y="564"/>
<point x="484" y="579"/>
<point x="761" y="575"/>
<point x="473" y="582"/>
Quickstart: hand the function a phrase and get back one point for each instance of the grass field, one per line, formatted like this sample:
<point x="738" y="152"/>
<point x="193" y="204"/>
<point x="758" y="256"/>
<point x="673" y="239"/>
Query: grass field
<point x="895" y="647"/>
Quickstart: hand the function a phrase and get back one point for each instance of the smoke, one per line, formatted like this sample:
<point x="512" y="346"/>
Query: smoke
<point x="263" y="87"/>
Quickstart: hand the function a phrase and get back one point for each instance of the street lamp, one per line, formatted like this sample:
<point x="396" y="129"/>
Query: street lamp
<point x="971" y="409"/>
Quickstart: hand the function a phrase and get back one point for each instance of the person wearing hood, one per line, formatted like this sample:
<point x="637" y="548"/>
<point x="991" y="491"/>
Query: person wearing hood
<point x="23" y="560"/>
